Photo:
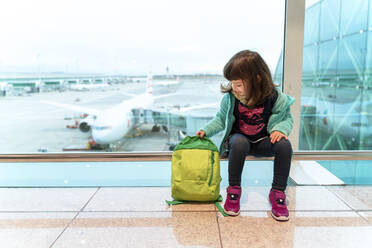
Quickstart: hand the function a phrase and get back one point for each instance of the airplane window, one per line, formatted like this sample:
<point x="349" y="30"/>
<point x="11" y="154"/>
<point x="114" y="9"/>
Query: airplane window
<point x="122" y="76"/>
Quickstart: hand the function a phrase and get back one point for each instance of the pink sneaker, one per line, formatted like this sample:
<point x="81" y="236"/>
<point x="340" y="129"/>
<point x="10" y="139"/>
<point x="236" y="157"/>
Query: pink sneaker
<point x="279" y="209"/>
<point x="232" y="203"/>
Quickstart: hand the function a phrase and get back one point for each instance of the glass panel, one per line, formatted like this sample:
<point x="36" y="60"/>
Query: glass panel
<point x="309" y="65"/>
<point x="73" y="73"/>
<point x="106" y="174"/>
<point x="157" y="174"/>
<point x="329" y="19"/>
<point x="352" y="56"/>
<point x="365" y="120"/>
<point x="370" y="17"/>
<point x="368" y="69"/>
<point x="278" y="75"/>
<point x="328" y="59"/>
<point x="342" y="118"/>
<point x="353" y="16"/>
<point x="336" y="98"/>
<point x="352" y="172"/>
<point x="312" y="13"/>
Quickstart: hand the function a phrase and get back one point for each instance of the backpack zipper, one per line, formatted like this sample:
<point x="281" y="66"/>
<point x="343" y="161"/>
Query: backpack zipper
<point x="212" y="160"/>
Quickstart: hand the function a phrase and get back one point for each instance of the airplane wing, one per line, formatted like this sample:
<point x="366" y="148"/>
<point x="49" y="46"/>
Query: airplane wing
<point x="179" y="117"/>
<point x="74" y="107"/>
<point x="181" y="111"/>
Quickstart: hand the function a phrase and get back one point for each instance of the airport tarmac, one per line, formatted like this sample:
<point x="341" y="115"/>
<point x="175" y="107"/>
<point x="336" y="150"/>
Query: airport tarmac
<point x="28" y="125"/>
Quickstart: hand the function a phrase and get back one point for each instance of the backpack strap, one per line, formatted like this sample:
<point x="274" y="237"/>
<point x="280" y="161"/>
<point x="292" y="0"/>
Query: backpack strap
<point x="174" y="202"/>
<point x="217" y="203"/>
<point x="220" y="208"/>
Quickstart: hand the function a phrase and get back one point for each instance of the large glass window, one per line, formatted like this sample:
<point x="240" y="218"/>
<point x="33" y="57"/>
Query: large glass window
<point x="313" y="34"/>
<point x="354" y="16"/>
<point x="336" y="111"/>
<point x="329" y="19"/>
<point x="121" y="75"/>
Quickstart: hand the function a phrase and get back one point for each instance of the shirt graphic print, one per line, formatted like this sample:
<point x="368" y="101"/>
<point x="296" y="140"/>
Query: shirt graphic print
<point x="251" y="122"/>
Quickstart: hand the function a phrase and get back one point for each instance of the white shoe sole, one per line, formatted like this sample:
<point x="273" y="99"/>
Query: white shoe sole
<point x="281" y="218"/>
<point x="231" y="213"/>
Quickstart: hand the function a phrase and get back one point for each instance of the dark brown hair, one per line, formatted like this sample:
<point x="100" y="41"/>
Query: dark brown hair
<point x="251" y="68"/>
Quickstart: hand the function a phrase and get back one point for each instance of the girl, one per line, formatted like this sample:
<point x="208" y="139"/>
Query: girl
<point x="256" y="120"/>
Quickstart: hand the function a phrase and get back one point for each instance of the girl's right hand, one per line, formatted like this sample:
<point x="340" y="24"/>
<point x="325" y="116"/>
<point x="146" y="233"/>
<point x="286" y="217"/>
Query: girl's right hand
<point x="200" y="133"/>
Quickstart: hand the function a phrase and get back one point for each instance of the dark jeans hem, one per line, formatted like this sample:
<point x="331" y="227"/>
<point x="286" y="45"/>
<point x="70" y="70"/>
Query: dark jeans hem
<point x="234" y="183"/>
<point x="279" y="187"/>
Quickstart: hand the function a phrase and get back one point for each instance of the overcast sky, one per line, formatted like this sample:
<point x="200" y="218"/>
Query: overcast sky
<point x="132" y="37"/>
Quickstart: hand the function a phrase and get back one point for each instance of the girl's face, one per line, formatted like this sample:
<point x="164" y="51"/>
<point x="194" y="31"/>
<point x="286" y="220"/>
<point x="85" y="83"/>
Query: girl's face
<point x="238" y="87"/>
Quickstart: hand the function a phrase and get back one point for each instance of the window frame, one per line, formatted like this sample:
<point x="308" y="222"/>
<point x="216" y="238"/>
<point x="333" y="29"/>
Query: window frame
<point x="292" y="84"/>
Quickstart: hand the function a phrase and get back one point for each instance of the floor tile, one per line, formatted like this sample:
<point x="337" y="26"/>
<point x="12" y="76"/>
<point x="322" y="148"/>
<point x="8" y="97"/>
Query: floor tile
<point x="304" y="229"/>
<point x="255" y="198"/>
<point x="142" y="229"/>
<point x="139" y="199"/>
<point x="357" y="197"/>
<point x="315" y="198"/>
<point x="367" y="215"/>
<point x="32" y="230"/>
<point x="252" y="198"/>
<point x="44" y="199"/>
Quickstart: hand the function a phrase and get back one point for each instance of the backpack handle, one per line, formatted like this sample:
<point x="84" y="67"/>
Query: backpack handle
<point x="195" y="142"/>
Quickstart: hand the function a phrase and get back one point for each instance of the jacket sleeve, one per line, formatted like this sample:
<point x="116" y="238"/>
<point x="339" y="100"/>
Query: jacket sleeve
<point x="281" y="118"/>
<point x="217" y="124"/>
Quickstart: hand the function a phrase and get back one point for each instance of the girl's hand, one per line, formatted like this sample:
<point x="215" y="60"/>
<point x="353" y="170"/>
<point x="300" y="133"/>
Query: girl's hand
<point x="276" y="136"/>
<point x="200" y="133"/>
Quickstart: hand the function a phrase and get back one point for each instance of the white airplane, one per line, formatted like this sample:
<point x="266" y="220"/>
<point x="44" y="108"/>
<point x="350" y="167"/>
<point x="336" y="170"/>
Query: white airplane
<point x="111" y="125"/>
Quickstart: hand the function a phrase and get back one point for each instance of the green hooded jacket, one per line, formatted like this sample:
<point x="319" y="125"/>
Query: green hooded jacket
<point x="280" y="120"/>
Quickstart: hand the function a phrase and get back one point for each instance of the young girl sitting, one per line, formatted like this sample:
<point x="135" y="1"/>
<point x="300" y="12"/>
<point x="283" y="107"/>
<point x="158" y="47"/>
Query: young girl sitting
<point x="256" y="120"/>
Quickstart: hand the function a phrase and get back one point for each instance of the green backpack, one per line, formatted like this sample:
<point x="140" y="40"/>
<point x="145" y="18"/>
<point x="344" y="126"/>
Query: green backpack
<point x="196" y="172"/>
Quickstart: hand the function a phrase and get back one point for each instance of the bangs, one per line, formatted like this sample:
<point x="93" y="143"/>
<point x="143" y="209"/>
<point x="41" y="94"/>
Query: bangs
<point x="236" y="69"/>
<point x="247" y="65"/>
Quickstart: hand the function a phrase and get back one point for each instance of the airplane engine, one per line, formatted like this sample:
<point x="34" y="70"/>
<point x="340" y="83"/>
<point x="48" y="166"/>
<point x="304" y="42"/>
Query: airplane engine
<point x="84" y="127"/>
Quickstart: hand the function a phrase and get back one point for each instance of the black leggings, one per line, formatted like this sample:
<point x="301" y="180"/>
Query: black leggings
<point x="240" y="147"/>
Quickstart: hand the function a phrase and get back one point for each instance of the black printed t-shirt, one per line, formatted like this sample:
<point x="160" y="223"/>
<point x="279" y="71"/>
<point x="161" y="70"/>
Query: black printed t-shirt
<point x="252" y="122"/>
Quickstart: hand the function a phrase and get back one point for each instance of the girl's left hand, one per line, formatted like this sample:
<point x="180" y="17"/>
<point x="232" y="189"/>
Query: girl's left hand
<point x="276" y="136"/>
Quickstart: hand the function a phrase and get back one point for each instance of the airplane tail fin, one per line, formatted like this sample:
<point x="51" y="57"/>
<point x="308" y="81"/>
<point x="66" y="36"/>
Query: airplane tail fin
<point x="149" y="84"/>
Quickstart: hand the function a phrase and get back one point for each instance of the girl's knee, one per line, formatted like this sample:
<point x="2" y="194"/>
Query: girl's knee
<point x="283" y="146"/>
<point x="238" y="141"/>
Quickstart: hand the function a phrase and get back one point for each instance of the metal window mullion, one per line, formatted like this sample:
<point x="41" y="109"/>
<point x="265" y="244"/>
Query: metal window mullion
<point x="292" y="60"/>
<point x="167" y="156"/>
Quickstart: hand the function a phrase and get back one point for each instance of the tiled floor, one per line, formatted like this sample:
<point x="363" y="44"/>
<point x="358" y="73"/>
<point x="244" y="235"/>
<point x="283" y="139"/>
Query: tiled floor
<point x="332" y="216"/>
